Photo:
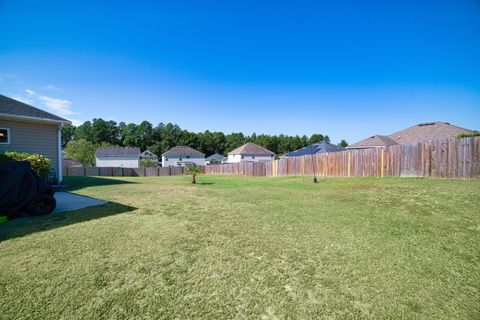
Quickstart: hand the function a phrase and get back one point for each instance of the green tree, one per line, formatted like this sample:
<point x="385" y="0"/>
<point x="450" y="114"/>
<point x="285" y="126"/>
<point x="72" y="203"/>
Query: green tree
<point x="166" y="136"/>
<point x="122" y="126"/>
<point x="104" y="144"/>
<point x="148" y="163"/>
<point x="84" y="131"/>
<point x="82" y="151"/>
<point x="143" y="135"/>
<point x="315" y="138"/>
<point x="234" y="140"/>
<point x="128" y="135"/>
<point x="104" y="131"/>
<point x="193" y="171"/>
<point x="68" y="134"/>
<point x="267" y="141"/>
<point x="343" y="143"/>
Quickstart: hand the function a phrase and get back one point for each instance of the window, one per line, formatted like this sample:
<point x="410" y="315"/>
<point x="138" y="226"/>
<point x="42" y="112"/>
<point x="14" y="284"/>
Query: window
<point x="180" y="158"/>
<point x="242" y="157"/>
<point x="253" y="157"/>
<point x="4" y="136"/>
<point x="187" y="157"/>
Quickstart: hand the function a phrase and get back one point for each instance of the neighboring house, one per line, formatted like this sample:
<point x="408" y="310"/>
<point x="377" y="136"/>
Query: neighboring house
<point x="215" y="159"/>
<point x="420" y="132"/>
<point x="250" y="152"/>
<point x="320" y="147"/>
<point x="182" y="156"/>
<point x="148" y="155"/>
<point x="124" y="157"/>
<point x="70" y="163"/>
<point x="24" y="128"/>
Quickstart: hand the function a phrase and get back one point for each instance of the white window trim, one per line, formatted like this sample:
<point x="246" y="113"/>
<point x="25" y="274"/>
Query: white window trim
<point x="9" y="139"/>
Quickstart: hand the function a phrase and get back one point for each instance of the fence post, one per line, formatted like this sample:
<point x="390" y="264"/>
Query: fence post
<point x="381" y="169"/>
<point x="348" y="164"/>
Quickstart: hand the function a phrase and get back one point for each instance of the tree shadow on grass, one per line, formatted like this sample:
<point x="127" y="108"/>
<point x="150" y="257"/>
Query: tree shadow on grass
<point x="24" y="226"/>
<point x="76" y="183"/>
<point x="204" y="183"/>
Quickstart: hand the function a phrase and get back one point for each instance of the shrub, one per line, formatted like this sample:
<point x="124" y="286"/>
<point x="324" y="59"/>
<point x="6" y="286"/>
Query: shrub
<point x="468" y="135"/>
<point x="148" y="163"/>
<point x="39" y="163"/>
<point x="193" y="170"/>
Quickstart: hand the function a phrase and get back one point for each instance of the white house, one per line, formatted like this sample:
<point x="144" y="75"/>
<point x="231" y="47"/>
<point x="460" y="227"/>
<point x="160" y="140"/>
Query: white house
<point x="250" y="152"/>
<point x="117" y="157"/>
<point x="182" y="156"/>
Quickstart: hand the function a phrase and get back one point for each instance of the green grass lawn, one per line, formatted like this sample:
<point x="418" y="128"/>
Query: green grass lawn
<point x="249" y="248"/>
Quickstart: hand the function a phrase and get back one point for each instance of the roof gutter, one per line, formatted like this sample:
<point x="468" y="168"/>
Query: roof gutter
<point x="33" y="119"/>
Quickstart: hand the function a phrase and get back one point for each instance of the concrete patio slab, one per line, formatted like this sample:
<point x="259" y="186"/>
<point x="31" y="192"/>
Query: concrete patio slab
<point x="69" y="202"/>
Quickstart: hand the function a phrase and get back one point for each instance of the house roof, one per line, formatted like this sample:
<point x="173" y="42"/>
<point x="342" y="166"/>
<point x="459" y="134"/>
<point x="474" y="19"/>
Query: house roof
<point x="251" y="148"/>
<point x="320" y="147"/>
<point x="148" y="152"/>
<point x="117" y="151"/>
<point x="420" y="132"/>
<point x="428" y="131"/>
<point x="16" y="109"/>
<point x="374" y="141"/>
<point x="183" y="151"/>
<point x="215" y="156"/>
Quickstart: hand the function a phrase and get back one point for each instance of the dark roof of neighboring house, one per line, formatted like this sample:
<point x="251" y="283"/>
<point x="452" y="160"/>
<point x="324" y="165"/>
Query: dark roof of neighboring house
<point x="148" y="152"/>
<point x="215" y="156"/>
<point x="374" y="141"/>
<point x="251" y="148"/>
<point x="15" y="108"/>
<point x="117" y="151"/>
<point x="417" y="133"/>
<point x="320" y="147"/>
<point x="183" y="151"/>
<point x="70" y="163"/>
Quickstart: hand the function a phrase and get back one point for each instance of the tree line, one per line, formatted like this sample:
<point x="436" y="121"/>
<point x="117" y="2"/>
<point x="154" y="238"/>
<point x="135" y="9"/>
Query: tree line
<point x="159" y="139"/>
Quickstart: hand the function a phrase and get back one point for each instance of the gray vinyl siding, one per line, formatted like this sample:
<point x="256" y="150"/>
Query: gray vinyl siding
<point x="32" y="138"/>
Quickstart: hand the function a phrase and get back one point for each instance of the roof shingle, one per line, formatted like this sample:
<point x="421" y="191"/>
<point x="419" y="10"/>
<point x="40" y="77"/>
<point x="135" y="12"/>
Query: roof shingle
<point x="428" y="131"/>
<point x="215" y="156"/>
<point x="183" y="151"/>
<point x="117" y="151"/>
<point x="12" y="107"/>
<point x="251" y="148"/>
<point x="320" y="147"/>
<point x="374" y="141"/>
<point x="417" y="133"/>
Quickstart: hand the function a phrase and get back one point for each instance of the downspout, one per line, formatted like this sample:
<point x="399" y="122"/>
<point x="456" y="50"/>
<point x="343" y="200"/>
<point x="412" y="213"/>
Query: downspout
<point x="59" y="153"/>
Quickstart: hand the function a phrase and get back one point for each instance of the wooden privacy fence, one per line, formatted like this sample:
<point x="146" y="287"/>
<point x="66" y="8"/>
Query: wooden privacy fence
<point x="123" y="172"/>
<point x="447" y="158"/>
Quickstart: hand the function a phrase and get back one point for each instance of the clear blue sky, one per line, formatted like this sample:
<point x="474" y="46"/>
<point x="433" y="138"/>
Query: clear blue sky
<point x="349" y="69"/>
